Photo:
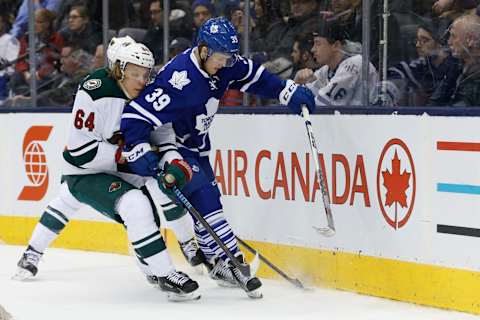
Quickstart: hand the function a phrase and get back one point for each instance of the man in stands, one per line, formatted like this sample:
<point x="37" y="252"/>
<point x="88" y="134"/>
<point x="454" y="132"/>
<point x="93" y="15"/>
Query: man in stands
<point x="464" y="42"/>
<point x="302" y="56"/>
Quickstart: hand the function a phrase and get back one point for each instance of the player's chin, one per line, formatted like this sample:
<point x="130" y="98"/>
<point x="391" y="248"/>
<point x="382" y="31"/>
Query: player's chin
<point x="136" y="92"/>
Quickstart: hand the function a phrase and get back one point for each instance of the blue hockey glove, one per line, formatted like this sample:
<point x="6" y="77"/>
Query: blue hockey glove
<point x="302" y="95"/>
<point x="142" y="160"/>
<point x="294" y="96"/>
<point x="177" y="173"/>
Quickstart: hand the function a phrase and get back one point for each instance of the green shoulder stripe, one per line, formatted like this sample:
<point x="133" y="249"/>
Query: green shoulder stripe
<point x="98" y="85"/>
<point x="80" y="160"/>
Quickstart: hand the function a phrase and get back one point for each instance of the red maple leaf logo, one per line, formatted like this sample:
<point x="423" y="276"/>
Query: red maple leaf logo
<point x="396" y="184"/>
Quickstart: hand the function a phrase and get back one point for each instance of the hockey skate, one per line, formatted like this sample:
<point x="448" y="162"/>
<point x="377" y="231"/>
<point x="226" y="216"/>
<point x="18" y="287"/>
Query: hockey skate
<point x="221" y="273"/>
<point x="247" y="282"/>
<point x="151" y="279"/>
<point x="192" y="252"/>
<point x="178" y="286"/>
<point x="27" y="265"/>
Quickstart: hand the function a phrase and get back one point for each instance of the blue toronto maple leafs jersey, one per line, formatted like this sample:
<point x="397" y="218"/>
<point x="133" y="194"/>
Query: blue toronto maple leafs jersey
<point x="186" y="96"/>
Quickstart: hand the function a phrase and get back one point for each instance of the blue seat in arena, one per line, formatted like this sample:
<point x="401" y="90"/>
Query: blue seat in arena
<point x="137" y="34"/>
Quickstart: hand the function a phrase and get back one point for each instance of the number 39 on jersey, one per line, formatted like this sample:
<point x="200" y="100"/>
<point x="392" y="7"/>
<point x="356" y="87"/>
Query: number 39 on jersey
<point x="158" y="99"/>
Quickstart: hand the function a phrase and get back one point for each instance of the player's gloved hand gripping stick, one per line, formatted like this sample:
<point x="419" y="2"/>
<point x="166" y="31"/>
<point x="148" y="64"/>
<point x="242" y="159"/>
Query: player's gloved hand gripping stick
<point x="330" y="229"/>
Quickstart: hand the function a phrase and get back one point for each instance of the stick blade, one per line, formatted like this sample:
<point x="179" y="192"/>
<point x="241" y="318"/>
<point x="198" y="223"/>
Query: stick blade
<point x="325" y="231"/>
<point x="254" y="265"/>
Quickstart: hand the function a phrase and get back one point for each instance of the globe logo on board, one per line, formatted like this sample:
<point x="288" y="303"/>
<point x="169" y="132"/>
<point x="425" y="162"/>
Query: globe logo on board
<point x="396" y="183"/>
<point x="35" y="163"/>
<point x="35" y="160"/>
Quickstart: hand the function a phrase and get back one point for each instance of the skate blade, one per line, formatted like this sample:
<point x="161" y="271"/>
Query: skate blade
<point x="178" y="297"/>
<point x="255" y="294"/>
<point x="22" y="275"/>
<point x="198" y="270"/>
<point x="254" y="265"/>
<point x="226" y="284"/>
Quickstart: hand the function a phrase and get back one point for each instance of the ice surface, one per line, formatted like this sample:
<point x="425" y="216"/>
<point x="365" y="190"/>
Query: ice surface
<point x="86" y="285"/>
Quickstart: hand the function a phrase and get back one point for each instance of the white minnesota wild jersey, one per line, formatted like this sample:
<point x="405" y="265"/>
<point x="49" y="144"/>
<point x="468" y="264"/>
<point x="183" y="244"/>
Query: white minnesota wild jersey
<point x="95" y="118"/>
<point x="342" y="86"/>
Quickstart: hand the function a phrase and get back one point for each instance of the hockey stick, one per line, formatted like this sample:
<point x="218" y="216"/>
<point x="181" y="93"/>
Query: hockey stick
<point x="293" y="281"/>
<point x="245" y="269"/>
<point x="330" y="229"/>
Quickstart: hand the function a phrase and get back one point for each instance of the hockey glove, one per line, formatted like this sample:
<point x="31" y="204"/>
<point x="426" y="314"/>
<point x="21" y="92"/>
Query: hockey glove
<point x="142" y="160"/>
<point x="294" y="96"/>
<point x="177" y="173"/>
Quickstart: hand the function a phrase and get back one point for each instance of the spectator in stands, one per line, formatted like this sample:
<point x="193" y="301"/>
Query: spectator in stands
<point x="99" y="57"/>
<point x="268" y="27"/>
<point x="48" y="45"/>
<point x="453" y="9"/>
<point x="121" y="12"/>
<point x="338" y="82"/>
<point x="81" y="31"/>
<point x="348" y="14"/>
<point x="9" y="48"/>
<point x="304" y="18"/>
<point x="21" y="21"/>
<point x="430" y="79"/>
<point x="202" y="11"/>
<point x="74" y="67"/>
<point x="464" y="42"/>
<point x="302" y="56"/>
<point x="179" y="25"/>
<point x="154" y="36"/>
<point x="236" y="16"/>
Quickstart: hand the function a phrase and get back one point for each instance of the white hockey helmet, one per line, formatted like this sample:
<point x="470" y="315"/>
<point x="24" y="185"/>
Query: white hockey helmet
<point x="125" y="50"/>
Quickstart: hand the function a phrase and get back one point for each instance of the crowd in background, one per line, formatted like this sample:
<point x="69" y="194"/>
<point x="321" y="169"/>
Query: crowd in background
<point x="430" y="55"/>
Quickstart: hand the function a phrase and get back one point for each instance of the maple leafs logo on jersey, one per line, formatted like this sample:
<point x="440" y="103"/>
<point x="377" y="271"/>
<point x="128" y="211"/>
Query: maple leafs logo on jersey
<point x="205" y="120"/>
<point x="214" y="28"/>
<point x="179" y="79"/>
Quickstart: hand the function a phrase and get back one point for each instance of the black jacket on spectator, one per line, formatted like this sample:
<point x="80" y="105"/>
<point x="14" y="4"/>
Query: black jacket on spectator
<point x="283" y="38"/>
<point x="88" y="39"/>
<point x="353" y="24"/>
<point x="437" y="83"/>
<point x="154" y="41"/>
<point x="450" y="69"/>
<point x="467" y="91"/>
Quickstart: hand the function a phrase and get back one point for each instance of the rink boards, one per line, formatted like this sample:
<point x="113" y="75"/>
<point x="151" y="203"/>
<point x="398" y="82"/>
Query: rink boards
<point x="405" y="194"/>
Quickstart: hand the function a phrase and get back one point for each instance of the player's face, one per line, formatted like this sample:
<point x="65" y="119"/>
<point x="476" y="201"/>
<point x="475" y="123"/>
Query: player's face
<point x="322" y="50"/>
<point x="425" y="44"/>
<point x="136" y="77"/>
<point x="218" y="61"/>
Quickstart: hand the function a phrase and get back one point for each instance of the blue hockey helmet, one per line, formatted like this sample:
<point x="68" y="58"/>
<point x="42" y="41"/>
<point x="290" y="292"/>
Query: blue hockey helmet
<point x="219" y="35"/>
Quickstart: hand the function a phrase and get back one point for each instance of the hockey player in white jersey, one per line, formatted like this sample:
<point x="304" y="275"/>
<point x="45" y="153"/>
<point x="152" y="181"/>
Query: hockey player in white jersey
<point x="339" y="81"/>
<point x="92" y="173"/>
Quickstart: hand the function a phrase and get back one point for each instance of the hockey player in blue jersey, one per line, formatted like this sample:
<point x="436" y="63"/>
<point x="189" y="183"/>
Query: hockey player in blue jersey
<point x="185" y="94"/>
